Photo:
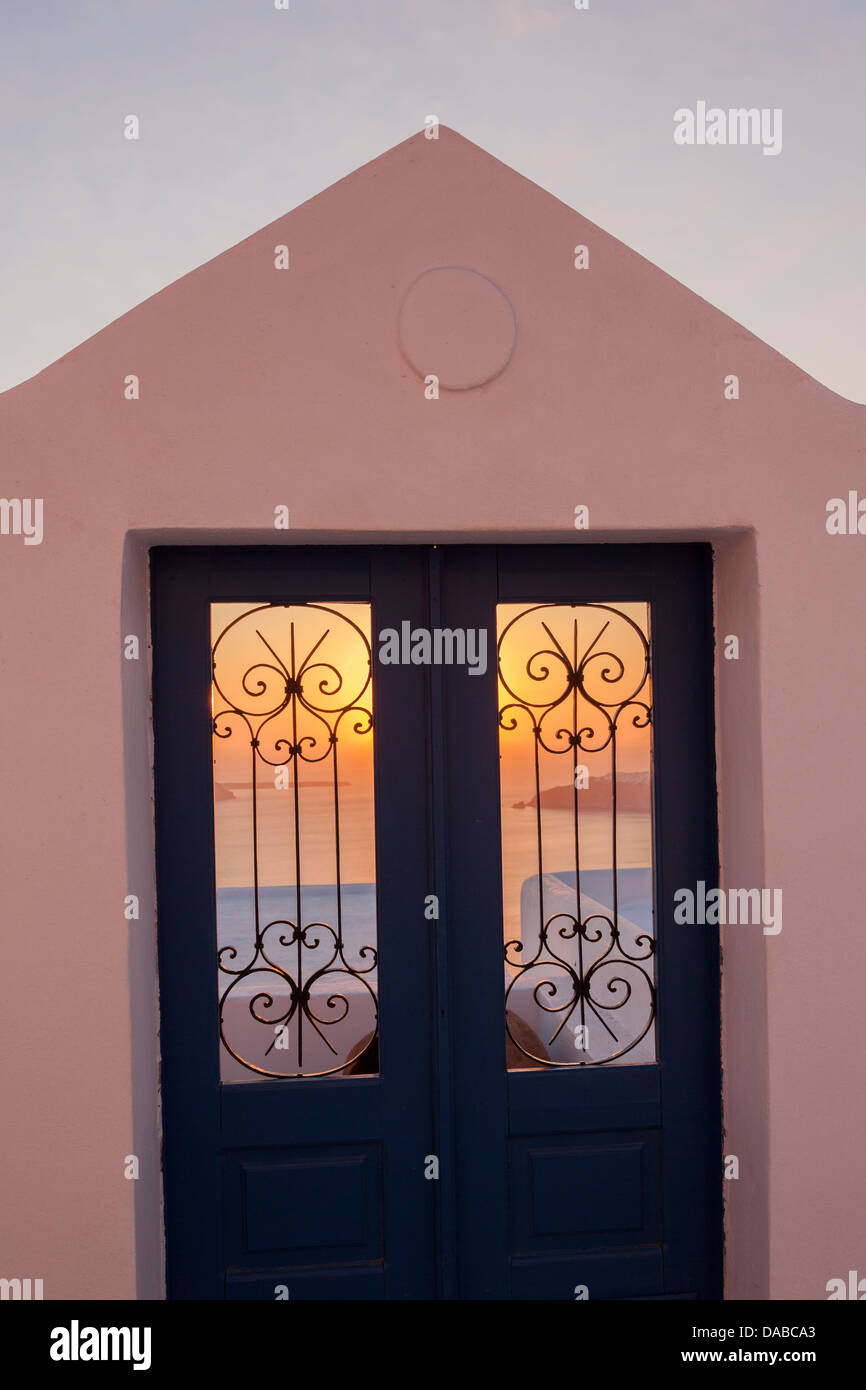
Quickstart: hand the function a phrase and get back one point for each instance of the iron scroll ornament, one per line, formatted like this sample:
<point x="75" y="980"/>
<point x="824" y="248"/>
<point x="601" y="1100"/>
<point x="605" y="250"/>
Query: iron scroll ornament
<point x="561" y="694"/>
<point x="292" y="710"/>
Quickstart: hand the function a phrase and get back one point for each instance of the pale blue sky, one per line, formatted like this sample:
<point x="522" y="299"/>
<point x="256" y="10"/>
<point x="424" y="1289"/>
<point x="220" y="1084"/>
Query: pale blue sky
<point x="247" y="111"/>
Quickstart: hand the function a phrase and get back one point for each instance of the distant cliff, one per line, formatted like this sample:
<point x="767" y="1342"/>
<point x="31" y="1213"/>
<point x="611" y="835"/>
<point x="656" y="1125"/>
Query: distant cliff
<point x="633" y="793"/>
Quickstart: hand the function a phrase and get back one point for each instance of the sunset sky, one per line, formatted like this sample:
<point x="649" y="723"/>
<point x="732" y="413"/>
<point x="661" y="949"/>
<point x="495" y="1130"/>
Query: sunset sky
<point x="243" y="648"/>
<point x="260" y="645"/>
<point x="262" y="640"/>
<point x="528" y="636"/>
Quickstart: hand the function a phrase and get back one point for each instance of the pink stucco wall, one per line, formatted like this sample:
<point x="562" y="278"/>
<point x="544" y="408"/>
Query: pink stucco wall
<point x="262" y="387"/>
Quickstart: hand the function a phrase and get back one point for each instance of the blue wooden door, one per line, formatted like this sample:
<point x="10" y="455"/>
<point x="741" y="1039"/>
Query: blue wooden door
<point x="588" y="1129"/>
<point x="297" y="1057"/>
<point x="422" y="1036"/>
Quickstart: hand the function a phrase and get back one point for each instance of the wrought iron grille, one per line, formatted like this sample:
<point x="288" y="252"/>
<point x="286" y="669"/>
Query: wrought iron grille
<point x="290" y="691"/>
<point x="573" y="676"/>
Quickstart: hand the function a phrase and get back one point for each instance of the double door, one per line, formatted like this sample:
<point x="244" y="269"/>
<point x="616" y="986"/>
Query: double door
<point x="429" y="1028"/>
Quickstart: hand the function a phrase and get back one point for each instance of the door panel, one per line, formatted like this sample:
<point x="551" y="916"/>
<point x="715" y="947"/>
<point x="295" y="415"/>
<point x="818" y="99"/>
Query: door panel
<point x="575" y="721"/>
<point x="328" y="1165"/>
<point x="294" y="821"/>
<point x="605" y="1176"/>
<point x="557" y="1169"/>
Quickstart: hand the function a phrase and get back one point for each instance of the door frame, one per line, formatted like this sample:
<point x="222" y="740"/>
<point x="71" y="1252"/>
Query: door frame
<point x="450" y="1280"/>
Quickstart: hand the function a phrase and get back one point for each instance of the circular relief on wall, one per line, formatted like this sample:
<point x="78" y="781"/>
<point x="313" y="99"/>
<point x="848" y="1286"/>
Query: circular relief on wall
<point x="457" y="325"/>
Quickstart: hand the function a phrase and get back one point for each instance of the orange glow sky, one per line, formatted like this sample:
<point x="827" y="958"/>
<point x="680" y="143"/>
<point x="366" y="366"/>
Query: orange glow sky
<point x="528" y="637"/>
<point x="242" y="648"/>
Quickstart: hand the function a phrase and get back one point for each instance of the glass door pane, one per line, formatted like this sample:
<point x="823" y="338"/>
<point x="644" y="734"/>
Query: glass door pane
<point x="294" y="839"/>
<point x="577" y="833"/>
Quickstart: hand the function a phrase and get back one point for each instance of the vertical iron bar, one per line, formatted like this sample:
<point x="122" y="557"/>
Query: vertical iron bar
<point x="578" y="909"/>
<point x="298" y="923"/>
<point x="253" y="745"/>
<point x="537" y="732"/>
<point x="339" y="883"/>
<point x="614" y="837"/>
